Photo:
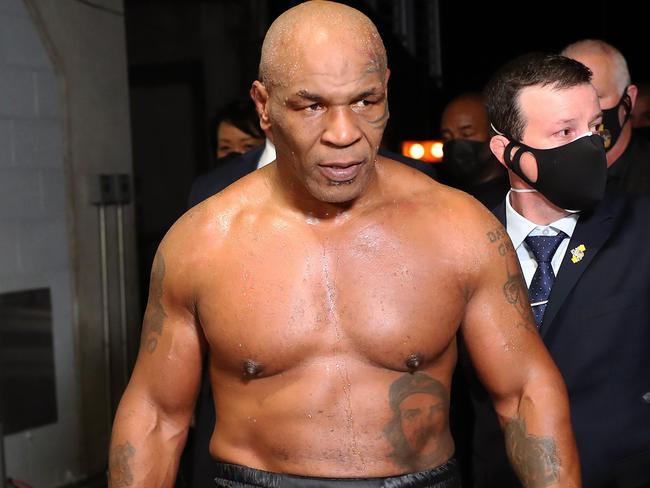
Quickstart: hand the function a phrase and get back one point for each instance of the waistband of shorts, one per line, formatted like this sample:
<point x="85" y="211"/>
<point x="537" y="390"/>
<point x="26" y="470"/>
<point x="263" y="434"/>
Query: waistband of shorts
<point x="236" y="476"/>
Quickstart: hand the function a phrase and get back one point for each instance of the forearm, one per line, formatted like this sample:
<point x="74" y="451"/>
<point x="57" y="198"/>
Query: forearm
<point x="539" y="440"/>
<point x="145" y="448"/>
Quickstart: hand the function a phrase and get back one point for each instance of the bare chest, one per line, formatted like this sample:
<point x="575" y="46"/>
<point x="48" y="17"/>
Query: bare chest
<point x="273" y="304"/>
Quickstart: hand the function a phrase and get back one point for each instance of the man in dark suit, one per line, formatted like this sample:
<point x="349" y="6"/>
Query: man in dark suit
<point x="229" y="170"/>
<point x="589" y="248"/>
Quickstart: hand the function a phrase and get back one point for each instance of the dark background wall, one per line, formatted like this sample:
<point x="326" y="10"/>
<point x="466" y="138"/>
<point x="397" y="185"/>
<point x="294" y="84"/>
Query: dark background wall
<point x="478" y="37"/>
<point x="188" y="58"/>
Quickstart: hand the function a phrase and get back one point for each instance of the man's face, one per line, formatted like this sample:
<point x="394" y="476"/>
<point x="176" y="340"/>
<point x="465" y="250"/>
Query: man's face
<point x="464" y="119"/>
<point x="422" y="416"/>
<point x="555" y="117"/>
<point x="327" y="117"/>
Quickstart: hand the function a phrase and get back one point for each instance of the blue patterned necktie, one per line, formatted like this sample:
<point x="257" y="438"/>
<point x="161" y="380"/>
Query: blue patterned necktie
<point x="543" y="248"/>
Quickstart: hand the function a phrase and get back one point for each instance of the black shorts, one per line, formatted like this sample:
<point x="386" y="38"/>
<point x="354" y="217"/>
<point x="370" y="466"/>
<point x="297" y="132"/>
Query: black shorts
<point x="235" y="476"/>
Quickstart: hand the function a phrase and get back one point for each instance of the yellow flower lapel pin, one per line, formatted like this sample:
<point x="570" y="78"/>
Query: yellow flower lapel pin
<point x="577" y="253"/>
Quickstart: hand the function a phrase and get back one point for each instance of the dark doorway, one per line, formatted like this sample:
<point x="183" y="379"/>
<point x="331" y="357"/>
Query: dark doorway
<point x="169" y="149"/>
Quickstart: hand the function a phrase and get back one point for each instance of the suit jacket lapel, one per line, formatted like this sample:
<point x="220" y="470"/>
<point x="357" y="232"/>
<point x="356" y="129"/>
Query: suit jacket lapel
<point x="592" y="231"/>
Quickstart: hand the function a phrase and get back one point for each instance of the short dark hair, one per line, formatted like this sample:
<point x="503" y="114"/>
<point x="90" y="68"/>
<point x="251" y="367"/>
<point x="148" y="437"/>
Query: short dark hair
<point x="242" y="114"/>
<point x="536" y="68"/>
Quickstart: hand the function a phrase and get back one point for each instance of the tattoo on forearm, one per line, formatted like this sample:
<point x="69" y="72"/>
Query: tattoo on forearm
<point x="534" y="458"/>
<point x="119" y="471"/>
<point x="155" y="315"/>
<point x="417" y="430"/>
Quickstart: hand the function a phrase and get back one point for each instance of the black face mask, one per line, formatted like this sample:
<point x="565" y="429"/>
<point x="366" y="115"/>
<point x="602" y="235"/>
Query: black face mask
<point x="225" y="160"/>
<point x="463" y="160"/>
<point x="611" y="128"/>
<point x="572" y="177"/>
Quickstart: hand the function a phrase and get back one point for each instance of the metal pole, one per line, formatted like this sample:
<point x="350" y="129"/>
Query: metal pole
<point x="122" y="280"/>
<point x="105" y="313"/>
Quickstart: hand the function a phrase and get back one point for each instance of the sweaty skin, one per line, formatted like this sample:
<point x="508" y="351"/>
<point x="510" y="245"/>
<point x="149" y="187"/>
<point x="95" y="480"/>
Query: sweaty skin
<point x="328" y="288"/>
<point x="310" y="326"/>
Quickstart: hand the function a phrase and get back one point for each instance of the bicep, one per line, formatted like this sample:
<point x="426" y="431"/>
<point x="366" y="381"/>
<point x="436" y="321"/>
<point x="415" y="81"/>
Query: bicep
<point x="168" y="368"/>
<point x="498" y="328"/>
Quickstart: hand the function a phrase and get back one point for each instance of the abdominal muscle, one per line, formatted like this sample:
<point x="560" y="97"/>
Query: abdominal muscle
<point x="334" y="417"/>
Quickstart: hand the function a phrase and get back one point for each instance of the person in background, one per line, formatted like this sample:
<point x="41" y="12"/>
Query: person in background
<point x="468" y="163"/>
<point x="236" y="129"/>
<point x="583" y="252"/>
<point x="628" y="155"/>
<point x="326" y="290"/>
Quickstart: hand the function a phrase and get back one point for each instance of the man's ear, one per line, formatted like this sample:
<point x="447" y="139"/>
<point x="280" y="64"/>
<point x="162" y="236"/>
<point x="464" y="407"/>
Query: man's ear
<point x="260" y="96"/>
<point x="386" y="77"/>
<point x="633" y="92"/>
<point x="498" y="145"/>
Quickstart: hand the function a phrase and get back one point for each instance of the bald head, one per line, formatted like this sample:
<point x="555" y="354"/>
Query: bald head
<point x="465" y="117"/>
<point x="312" y="24"/>
<point x="602" y="59"/>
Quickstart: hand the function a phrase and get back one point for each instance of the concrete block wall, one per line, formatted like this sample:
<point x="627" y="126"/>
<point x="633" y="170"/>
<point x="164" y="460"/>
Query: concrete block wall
<point x="64" y="119"/>
<point x="34" y="232"/>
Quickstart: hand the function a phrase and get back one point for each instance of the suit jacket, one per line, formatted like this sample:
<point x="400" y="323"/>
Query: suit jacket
<point x="231" y="169"/>
<point x="201" y="471"/>
<point x="597" y="329"/>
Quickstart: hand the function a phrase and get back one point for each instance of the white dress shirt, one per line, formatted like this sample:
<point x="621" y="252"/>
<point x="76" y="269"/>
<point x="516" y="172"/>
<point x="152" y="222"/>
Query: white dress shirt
<point x="519" y="228"/>
<point x="268" y="155"/>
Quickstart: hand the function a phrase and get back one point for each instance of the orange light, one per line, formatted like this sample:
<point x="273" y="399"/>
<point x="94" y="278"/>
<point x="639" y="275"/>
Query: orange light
<point x="429" y="151"/>
<point x="416" y="151"/>
<point x="436" y="150"/>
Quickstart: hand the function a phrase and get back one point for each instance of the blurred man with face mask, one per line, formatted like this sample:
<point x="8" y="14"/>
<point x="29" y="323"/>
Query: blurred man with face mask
<point x="468" y="163"/>
<point x="628" y="155"/>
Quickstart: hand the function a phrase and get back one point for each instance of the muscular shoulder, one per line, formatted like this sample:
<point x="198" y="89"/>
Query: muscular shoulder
<point x="440" y="208"/>
<point x="195" y="242"/>
<point x="450" y="224"/>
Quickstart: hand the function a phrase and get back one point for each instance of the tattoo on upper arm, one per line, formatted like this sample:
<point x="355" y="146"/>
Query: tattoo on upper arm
<point x="496" y="237"/>
<point x="119" y="471"/>
<point x="417" y="430"/>
<point x="534" y="458"/>
<point x="155" y="315"/>
<point x="516" y="294"/>
<point x="514" y="289"/>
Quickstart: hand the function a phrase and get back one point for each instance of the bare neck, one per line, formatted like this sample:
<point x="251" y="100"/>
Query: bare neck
<point x="536" y="208"/>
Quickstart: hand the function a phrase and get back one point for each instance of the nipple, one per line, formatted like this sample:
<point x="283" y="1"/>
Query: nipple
<point x="413" y="362"/>
<point x="252" y="368"/>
